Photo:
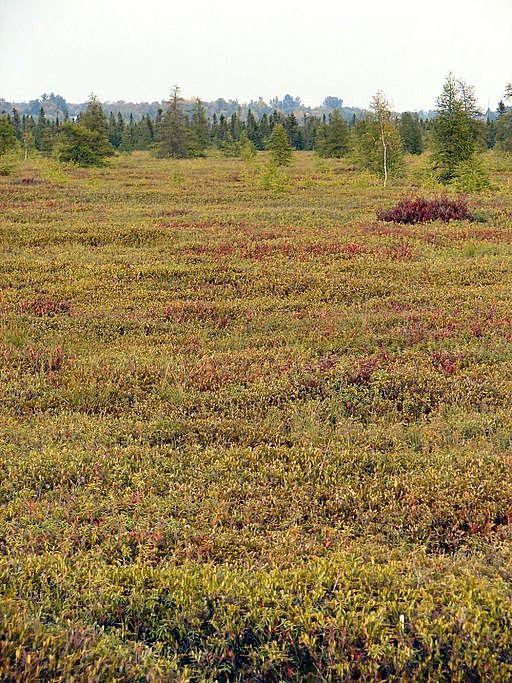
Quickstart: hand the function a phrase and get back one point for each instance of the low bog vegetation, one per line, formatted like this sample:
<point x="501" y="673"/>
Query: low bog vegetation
<point x="253" y="435"/>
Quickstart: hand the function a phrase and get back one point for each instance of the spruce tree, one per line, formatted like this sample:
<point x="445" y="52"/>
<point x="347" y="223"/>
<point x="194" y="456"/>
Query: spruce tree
<point x="504" y="123"/>
<point x="199" y="132"/>
<point x="85" y="143"/>
<point x="113" y="131"/>
<point x="291" y="126"/>
<point x="7" y="134"/>
<point x="40" y="126"/>
<point x="173" y="135"/>
<point x="251" y="126"/>
<point x="143" y="134"/>
<point x="94" y="118"/>
<point x="264" y="130"/>
<point x="410" y="133"/>
<point x="504" y="132"/>
<point x="309" y="132"/>
<point x="453" y="132"/>
<point x="16" y="122"/>
<point x="334" y="138"/>
<point x="128" y="136"/>
<point x="120" y="126"/>
<point x="280" y="150"/>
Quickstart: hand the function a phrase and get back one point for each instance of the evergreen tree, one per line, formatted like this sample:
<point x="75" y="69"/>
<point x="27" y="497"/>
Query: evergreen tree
<point x="16" y="122"/>
<point x="113" y="131"/>
<point x="40" y="127"/>
<point x="7" y="134"/>
<point x="223" y="128"/>
<point x="94" y="118"/>
<point x="85" y="143"/>
<point x="453" y="132"/>
<point x="280" y="150"/>
<point x="504" y="132"/>
<point x="173" y="136"/>
<point x="253" y="133"/>
<point x="490" y="132"/>
<point x="128" y="136"/>
<point x="504" y="123"/>
<point x="47" y="139"/>
<point x="247" y="148"/>
<point x="214" y="130"/>
<point x="334" y="138"/>
<point x="264" y="130"/>
<point x="309" y="132"/>
<point x="276" y="118"/>
<point x="410" y="133"/>
<point x="157" y="128"/>
<point x="143" y="134"/>
<point x="199" y="131"/>
<point x="291" y="126"/>
<point x="236" y="126"/>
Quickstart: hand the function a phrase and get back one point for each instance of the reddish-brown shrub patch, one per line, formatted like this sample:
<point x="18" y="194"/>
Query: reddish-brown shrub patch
<point x="420" y="210"/>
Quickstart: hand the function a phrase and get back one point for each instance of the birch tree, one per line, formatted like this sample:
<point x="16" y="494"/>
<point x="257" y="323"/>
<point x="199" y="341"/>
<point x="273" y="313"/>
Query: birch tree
<point x="379" y="147"/>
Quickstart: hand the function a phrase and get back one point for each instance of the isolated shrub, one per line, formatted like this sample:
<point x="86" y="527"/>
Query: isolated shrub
<point x="421" y="210"/>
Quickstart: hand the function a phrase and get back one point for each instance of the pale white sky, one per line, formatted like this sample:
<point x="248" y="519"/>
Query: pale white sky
<point x="243" y="49"/>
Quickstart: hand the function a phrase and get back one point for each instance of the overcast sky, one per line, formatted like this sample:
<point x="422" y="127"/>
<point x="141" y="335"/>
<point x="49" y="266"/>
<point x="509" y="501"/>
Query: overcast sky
<point x="136" y="51"/>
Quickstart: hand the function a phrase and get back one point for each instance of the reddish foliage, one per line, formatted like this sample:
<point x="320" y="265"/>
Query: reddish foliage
<point x="398" y="253"/>
<point x="421" y="210"/>
<point x="447" y="361"/>
<point x="363" y="372"/>
<point x="46" y="307"/>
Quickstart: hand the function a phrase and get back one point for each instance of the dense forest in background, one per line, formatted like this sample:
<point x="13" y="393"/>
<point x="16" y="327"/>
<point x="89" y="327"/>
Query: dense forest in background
<point x="377" y="138"/>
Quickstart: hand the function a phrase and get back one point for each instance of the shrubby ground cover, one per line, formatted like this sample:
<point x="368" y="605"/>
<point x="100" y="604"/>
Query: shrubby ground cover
<point x="252" y="435"/>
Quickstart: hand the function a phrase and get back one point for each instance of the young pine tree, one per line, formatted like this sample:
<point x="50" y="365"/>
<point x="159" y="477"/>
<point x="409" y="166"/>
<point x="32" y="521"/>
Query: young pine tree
<point x="280" y="149"/>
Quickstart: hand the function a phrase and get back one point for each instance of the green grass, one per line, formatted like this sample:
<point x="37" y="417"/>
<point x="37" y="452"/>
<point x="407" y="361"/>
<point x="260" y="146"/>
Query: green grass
<point x="247" y="431"/>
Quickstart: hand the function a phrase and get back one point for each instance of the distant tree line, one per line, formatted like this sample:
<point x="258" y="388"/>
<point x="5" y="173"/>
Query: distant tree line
<point x="377" y="139"/>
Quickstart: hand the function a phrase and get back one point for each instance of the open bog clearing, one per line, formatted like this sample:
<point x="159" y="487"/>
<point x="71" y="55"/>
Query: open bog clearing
<point x="252" y="433"/>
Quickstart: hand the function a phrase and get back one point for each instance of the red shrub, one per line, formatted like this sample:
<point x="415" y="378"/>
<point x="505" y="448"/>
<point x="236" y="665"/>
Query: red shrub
<point x="421" y="210"/>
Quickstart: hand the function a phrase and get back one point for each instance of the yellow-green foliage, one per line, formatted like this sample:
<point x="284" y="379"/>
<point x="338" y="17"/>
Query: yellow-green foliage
<point x="250" y="435"/>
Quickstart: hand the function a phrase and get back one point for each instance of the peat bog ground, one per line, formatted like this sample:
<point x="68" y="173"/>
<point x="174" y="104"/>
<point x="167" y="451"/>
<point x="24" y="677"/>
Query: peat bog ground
<point x="252" y="434"/>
